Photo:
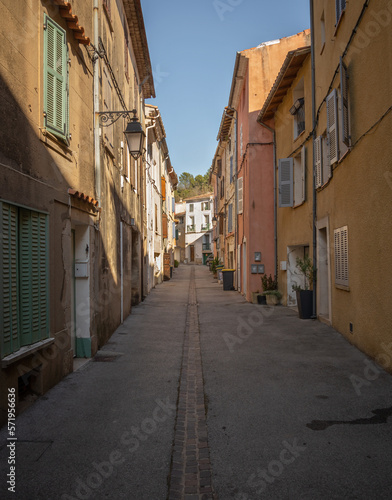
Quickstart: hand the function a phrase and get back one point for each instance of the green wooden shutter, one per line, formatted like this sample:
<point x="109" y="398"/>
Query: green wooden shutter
<point x="8" y="279"/>
<point x="55" y="79"/>
<point x="33" y="265"/>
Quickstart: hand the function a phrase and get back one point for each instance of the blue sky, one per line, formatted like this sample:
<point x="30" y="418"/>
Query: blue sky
<point x="193" y="45"/>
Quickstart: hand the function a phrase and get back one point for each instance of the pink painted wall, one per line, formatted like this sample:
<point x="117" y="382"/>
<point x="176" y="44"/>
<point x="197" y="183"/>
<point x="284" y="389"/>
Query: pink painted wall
<point x="256" y="224"/>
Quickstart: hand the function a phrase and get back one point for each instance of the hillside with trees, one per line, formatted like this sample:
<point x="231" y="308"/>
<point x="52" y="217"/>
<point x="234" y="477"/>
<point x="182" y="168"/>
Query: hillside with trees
<point x="188" y="185"/>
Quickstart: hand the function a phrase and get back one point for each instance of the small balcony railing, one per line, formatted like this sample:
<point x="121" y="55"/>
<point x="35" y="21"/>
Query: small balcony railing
<point x="206" y="227"/>
<point x="191" y="229"/>
<point x="206" y="246"/>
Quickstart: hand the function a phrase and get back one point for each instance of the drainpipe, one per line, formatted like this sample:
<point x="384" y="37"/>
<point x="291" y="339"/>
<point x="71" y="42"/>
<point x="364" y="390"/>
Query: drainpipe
<point x="314" y="316"/>
<point x="97" y="152"/>
<point x="121" y="274"/>
<point x="275" y="198"/>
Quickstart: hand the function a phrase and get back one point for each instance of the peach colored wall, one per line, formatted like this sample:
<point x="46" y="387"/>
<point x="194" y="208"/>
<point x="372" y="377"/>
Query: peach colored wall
<point x="256" y="224"/>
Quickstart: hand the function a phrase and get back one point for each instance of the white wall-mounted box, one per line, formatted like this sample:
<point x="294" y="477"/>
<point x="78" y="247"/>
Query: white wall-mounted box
<point x="81" y="269"/>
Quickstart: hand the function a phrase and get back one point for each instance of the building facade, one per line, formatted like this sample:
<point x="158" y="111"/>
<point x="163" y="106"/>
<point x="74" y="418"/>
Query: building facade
<point x="198" y="222"/>
<point x="72" y="198"/>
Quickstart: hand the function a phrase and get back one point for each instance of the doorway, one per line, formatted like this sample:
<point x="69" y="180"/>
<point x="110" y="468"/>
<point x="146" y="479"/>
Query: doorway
<point x="323" y="279"/>
<point x="192" y="253"/>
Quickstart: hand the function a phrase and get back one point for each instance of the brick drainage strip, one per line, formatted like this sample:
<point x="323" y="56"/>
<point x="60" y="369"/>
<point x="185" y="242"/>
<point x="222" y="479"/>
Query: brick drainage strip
<point x="190" y="476"/>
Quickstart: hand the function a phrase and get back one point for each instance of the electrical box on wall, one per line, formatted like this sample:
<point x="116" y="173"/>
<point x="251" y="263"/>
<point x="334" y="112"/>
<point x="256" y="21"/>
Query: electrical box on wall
<point x="81" y="269"/>
<point x="283" y="265"/>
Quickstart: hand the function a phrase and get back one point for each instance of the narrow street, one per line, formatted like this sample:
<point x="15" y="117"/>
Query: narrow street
<point x="202" y="395"/>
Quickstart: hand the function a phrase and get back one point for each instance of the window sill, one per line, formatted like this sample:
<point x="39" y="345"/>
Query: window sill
<point x="338" y="23"/>
<point x="299" y="135"/>
<point x="52" y="142"/>
<point x="26" y="351"/>
<point x="346" y="288"/>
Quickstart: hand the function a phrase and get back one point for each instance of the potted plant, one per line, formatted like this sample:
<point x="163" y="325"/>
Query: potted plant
<point x="305" y="293"/>
<point x="271" y="293"/>
<point x="273" y="297"/>
<point x="214" y="264"/>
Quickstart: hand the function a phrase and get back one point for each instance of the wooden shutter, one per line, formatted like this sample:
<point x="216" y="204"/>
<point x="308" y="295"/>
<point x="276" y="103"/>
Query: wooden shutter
<point x="318" y="158"/>
<point x="332" y="127"/>
<point x="231" y="169"/>
<point x="303" y="174"/>
<point x="33" y="266"/>
<point x="230" y="219"/>
<point x="164" y="226"/>
<point x="8" y="279"/>
<point x="163" y="188"/>
<point x="341" y="256"/>
<point x="286" y="182"/>
<point x="108" y="132"/>
<point x="55" y="79"/>
<point x="345" y="132"/>
<point x="240" y="194"/>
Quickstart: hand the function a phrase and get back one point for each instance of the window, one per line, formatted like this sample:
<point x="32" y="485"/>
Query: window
<point x="241" y="140"/>
<point x="299" y="177"/>
<point x="231" y="169"/>
<point x="222" y="187"/>
<point x="323" y="166"/>
<point x="298" y="109"/>
<point x="164" y="226"/>
<point x="108" y="133"/>
<point x="338" y="126"/>
<point x="156" y="218"/>
<point x="191" y="207"/>
<point x="56" y="107"/>
<point x="126" y="52"/>
<point x="230" y="219"/>
<point x="292" y="180"/>
<point x="240" y="194"/>
<point x="173" y="205"/>
<point x="219" y="166"/>
<point x="206" y="205"/>
<point x="163" y="188"/>
<point x="341" y="256"/>
<point x="24" y="268"/>
<point x="322" y="31"/>
<point x="106" y="4"/>
<point x="340" y="6"/>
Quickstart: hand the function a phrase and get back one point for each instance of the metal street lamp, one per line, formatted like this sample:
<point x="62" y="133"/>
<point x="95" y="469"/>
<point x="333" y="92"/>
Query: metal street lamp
<point x="134" y="132"/>
<point x="135" y="135"/>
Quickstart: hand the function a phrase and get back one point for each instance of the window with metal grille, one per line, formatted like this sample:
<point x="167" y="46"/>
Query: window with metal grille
<point x="24" y="277"/>
<point x="341" y="256"/>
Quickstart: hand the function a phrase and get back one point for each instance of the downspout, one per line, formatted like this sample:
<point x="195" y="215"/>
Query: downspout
<point x="314" y="316"/>
<point x="275" y="198"/>
<point x="121" y="274"/>
<point x="97" y="152"/>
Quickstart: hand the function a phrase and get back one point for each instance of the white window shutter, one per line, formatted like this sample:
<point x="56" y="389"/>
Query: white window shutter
<point x="345" y="132"/>
<point x="240" y="194"/>
<point x="341" y="256"/>
<point x="303" y="173"/>
<point x="318" y="158"/>
<point x="286" y="182"/>
<point x="332" y="127"/>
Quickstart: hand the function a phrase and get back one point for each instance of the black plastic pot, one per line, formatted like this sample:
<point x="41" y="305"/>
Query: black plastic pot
<point x="262" y="299"/>
<point x="305" y="303"/>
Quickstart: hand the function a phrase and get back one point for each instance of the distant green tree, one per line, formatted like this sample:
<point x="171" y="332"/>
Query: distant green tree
<point x="188" y="185"/>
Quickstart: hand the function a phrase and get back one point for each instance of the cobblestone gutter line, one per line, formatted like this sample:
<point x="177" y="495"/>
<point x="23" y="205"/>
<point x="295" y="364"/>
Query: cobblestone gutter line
<point x="191" y="469"/>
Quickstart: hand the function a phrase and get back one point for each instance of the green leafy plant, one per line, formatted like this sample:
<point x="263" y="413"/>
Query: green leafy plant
<point x="305" y="266"/>
<point x="176" y="263"/>
<point x="273" y="292"/>
<point x="269" y="283"/>
<point x="214" y="263"/>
